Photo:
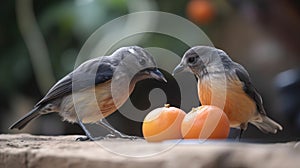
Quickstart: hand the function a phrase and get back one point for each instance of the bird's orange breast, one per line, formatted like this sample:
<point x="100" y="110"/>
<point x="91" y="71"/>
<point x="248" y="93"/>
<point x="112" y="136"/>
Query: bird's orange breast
<point x="109" y="98"/>
<point x="227" y="94"/>
<point x="95" y="103"/>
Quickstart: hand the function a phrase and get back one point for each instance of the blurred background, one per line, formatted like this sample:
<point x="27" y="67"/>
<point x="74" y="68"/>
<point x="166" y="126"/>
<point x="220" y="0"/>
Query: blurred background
<point x="40" y="42"/>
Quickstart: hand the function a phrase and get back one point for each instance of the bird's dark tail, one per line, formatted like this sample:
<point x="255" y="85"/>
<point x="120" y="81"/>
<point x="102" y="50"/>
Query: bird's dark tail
<point x="21" y="123"/>
<point x="267" y="125"/>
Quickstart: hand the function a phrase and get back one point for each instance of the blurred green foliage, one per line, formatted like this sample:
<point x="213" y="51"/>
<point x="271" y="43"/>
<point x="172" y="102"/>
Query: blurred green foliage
<point x="65" y="26"/>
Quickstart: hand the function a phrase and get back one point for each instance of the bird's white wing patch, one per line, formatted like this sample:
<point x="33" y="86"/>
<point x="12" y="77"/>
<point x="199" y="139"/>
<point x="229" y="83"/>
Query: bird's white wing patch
<point x="132" y="50"/>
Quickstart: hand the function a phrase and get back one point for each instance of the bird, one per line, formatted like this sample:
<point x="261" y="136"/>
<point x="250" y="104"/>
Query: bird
<point x="96" y="89"/>
<point x="227" y="85"/>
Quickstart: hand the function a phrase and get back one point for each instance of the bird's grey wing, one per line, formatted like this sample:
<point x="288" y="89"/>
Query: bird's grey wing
<point x="87" y="75"/>
<point x="249" y="89"/>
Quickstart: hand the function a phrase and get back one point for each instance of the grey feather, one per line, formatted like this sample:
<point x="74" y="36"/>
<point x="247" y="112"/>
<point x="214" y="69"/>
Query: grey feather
<point x="249" y="88"/>
<point x="89" y="74"/>
<point x="21" y="123"/>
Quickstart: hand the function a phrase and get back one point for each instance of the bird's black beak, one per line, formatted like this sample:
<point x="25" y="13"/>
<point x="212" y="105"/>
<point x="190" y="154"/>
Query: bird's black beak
<point x="156" y="74"/>
<point x="179" y="68"/>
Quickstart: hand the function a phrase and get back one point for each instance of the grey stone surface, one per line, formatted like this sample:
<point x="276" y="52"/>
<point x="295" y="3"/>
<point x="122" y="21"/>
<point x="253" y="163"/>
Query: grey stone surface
<point x="28" y="151"/>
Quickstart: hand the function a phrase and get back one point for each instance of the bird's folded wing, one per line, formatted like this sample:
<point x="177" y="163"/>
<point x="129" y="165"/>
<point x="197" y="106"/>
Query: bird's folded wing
<point x="249" y="89"/>
<point x="87" y="75"/>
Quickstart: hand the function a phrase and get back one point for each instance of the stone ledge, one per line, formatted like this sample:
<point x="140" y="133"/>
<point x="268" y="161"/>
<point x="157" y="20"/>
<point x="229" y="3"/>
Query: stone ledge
<point x="24" y="150"/>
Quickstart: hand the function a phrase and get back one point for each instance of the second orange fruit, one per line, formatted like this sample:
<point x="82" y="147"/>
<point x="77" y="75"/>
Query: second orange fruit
<point x="205" y="122"/>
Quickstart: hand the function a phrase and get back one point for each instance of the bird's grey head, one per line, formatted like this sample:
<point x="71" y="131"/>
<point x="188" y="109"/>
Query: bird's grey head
<point x="200" y="59"/>
<point x="138" y="63"/>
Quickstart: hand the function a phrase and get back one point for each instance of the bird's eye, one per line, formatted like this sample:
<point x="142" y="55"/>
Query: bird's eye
<point x="142" y="61"/>
<point x="191" y="60"/>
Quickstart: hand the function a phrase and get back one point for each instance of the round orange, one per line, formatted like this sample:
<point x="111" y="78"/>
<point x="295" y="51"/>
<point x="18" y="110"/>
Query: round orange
<point x="205" y="122"/>
<point x="163" y="123"/>
<point x="200" y="11"/>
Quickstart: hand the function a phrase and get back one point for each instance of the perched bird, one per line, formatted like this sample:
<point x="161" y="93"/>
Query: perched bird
<point x="227" y="84"/>
<point x="96" y="89"/>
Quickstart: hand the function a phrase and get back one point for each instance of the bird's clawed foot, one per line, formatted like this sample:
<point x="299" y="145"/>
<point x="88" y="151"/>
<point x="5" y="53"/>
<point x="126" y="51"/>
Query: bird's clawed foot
<point x="120" y="135"/>
<point x="89" y="138"/>
<point x="108" y="136"/>
<point x="113" y="132"/>
<point x="83" y="138"/>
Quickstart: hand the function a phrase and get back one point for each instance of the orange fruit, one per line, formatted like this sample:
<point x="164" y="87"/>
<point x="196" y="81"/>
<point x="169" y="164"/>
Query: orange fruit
<point x="200" y="11"/>
<point x="163" y="123"/>
<point x="205" y="122"/>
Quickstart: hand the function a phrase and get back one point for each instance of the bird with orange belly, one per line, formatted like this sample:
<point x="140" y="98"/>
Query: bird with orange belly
<point x="227" y="85"/>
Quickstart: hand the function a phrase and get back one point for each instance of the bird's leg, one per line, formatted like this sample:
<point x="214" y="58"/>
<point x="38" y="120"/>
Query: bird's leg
<point x="240" y="135"/>
<point x="113" y="132"/>
<point x="87" y="133"/>
<point x="243" y="127"/>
